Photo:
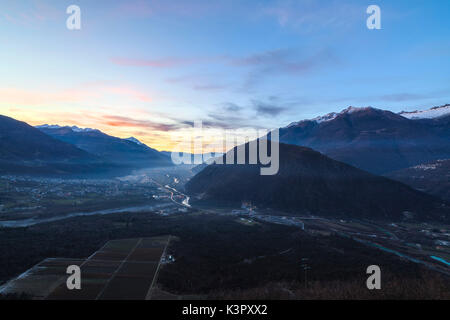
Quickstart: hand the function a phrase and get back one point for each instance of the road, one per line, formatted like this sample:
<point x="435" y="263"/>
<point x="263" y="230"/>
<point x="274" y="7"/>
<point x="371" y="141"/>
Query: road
<point x="155" y="277"/>
<point x="172" y="191"/>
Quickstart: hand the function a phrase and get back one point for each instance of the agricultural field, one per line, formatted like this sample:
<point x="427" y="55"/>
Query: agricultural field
<point x="220" y="256"/>
<point x="121" y="269"/>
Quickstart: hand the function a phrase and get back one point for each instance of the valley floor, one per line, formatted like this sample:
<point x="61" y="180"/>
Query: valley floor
<point x="236" y="253"/>
<point x="227" y="256"/>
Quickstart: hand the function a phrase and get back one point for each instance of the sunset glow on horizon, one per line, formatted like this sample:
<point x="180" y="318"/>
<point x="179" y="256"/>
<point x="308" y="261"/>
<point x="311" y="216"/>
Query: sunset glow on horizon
<point x="149" y="69"/>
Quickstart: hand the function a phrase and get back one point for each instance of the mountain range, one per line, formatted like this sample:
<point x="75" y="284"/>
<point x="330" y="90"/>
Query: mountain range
<point x="68" y="151"/>
<point x="396" y="145"/>
<point x="130" y="152"/>
<point x="26" y="150"/>
<point x="309" y="182"/>
<point x="375" y="140"/>
<point x="22" y="142"/>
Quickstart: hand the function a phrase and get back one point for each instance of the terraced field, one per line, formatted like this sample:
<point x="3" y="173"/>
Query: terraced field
<point x="121" y="269"/>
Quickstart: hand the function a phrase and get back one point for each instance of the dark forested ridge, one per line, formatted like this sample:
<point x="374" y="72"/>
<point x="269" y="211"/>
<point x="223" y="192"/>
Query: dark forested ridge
<point x="309" y="182"/>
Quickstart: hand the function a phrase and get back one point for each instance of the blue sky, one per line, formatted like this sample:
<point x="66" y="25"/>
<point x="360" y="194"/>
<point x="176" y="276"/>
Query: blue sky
<point x="150" y="68"/>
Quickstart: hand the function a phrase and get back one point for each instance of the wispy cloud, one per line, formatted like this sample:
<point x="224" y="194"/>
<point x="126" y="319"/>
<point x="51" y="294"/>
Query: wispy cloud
<point x="121" y="121"/>
<point x="231" y="107"/>
<point x="84" y="92"/>
<point x="392" y="97"/>
<point x="230" y="115"/>
<point x="182" y="8"/>
<point x="18" y="96"/>
<point x="268" y="108"/>
<point x="209" y="87"/>
<point x="128" y="91"/>
<point x="258" y="66"/>
<point x="30" y="13"/>
<point x="288" y="60"/>
<point x="309" y="15"/>
<point x="283" y="62"/>
<point x="398" y="97"/>
<point x="168" y="62"/>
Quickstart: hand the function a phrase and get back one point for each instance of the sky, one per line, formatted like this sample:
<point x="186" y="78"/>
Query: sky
<point x="150" y="69"/>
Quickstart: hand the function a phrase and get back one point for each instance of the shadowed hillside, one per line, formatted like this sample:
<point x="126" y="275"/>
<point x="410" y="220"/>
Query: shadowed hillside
<point x="311" y="183"/>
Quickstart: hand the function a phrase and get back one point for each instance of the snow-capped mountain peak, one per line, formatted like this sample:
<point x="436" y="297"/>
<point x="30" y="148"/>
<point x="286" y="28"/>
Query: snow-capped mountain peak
<point x="356" y="109"/>
<point x="133" y="139"/>
<point x="327" y="117"/>
<point x="73" y="128"/>
<point x="49" y="126"/>
<point x="331" y="116"/>
<point x="77" y="129"/>
<point x="432" y="113"/>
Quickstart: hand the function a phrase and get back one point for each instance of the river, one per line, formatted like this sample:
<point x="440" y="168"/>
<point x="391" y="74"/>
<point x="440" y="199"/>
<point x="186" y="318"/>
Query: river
<point x="32" y="221"/>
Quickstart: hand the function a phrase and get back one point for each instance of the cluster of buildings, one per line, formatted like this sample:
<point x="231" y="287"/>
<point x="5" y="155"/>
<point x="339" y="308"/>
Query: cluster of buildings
<point x="29" y="191"/>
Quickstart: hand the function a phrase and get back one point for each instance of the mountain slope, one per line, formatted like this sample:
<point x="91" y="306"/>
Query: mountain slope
<point x="371" y="139"/>
<point x="432" y="178"/>
<point x="435" y="112"/>
<point x="124" y="151"/>
<point x="26" y="150"/>
<point x="309" y="182"/>
<point x="20" y="141"/>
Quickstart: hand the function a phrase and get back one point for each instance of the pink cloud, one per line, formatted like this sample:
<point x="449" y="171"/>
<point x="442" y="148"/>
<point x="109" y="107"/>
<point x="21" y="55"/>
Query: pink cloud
<point x="127" y="91"/>
<point x="9" y="18"/>
<point x="33" y="13"/>
<point x="26" y="97"/>
<point x="120" y="121"/>
<point x="33" y="97"/>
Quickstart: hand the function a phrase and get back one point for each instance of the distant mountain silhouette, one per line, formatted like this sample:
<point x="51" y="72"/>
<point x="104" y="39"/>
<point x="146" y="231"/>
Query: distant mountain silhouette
<point x="129" y="151"/>
<point x="26" y="150"/>
<point x="20" y="141"/>
<point x="375" y="140"/>
<point x="311" y="183"/>
<point x="64" y="151"/>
